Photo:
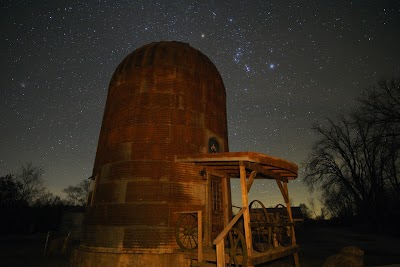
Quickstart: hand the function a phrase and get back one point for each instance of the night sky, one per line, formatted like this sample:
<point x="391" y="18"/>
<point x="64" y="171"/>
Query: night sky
<point x="285" y="65"/>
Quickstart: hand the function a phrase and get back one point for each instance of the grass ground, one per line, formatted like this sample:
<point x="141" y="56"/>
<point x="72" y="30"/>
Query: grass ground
<point x="316" y="244"/>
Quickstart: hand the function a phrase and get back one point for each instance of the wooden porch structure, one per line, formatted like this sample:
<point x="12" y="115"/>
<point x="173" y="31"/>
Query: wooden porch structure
<point x="247" y="166"/>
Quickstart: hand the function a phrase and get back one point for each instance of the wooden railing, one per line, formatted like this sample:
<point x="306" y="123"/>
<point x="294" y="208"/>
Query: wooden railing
<point x="219" y="240"/>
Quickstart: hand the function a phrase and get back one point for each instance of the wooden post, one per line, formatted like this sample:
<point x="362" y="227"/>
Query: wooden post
<point x="199" y="236"/>
<point x="221" y="254"/>
<point x="225" y="201"/>
<point x="246" y="214"/>
<point x="289" y="210"/>
<point x="208" y="212"/>
<point x="47" y="241"/>
<point x="283" y="191"/>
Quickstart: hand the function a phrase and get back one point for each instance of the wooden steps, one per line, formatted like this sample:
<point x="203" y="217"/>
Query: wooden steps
<point x="209" y="254"/>
<point x="273" y="254"/>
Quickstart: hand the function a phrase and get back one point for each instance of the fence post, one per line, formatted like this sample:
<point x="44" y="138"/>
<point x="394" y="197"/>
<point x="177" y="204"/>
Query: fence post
<point x="45" y="245"/>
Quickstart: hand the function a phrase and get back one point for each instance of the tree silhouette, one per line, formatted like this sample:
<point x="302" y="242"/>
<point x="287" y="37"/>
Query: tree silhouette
<point x="10" y="192"/>
<point x="356" y="160"/>
<point x="77" y="194"/>
<point x="32" y="181"/>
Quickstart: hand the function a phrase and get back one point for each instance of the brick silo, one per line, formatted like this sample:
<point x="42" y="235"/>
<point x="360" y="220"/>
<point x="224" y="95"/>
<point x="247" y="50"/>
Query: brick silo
<point x="164" y="99"/>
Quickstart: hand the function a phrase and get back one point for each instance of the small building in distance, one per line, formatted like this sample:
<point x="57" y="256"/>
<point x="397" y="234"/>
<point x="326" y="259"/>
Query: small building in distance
<point x="297" y="214"/>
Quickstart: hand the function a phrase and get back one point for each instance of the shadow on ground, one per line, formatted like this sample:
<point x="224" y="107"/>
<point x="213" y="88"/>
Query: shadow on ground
<point x="316" y="244"/>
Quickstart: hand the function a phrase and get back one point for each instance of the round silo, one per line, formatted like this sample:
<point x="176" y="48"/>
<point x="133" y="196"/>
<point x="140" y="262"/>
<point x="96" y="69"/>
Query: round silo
<point x="164" y="99"/>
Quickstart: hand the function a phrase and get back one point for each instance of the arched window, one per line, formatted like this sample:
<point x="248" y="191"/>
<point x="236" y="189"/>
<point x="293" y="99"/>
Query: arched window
<point x="213" y="145"/>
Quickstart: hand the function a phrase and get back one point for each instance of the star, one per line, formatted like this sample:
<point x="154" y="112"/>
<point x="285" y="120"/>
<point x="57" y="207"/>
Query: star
<point x="275" y="59"/>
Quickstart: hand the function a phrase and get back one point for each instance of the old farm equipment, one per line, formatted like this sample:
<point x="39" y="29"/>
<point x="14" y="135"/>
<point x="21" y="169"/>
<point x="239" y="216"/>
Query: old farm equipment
<point x="254" y="235"/>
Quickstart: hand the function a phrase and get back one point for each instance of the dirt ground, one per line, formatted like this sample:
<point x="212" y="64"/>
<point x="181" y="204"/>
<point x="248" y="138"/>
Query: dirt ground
<point x="27" y="251"/>
<point x="316" y="244"/>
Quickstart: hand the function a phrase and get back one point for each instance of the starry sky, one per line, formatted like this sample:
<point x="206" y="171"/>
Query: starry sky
<point x="285" y="65"/>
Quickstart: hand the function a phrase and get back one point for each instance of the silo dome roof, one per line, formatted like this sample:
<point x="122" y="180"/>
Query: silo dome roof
<point x="165" y="54"/>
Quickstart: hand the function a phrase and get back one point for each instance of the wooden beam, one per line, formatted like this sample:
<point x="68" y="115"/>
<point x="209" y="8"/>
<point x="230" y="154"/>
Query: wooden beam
<point x="219" y="241"/>
<point x="225" y="201"/>
<point x="258" y="167"/>
<point x="208" y="212"/>
<point x="289" y="211"/>
<point x="229" y="226"/>
<point x="273" y="254"/>
<point x="285" y="187"/>
<point x="246" y="214"/>
<point x="250" y="181"/>
<point x="283" y="191"/>
<point x="221" y="254"/>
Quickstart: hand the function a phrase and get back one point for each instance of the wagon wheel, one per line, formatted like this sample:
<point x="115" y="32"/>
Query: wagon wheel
<point x="186" y="232"/>
<point x="261" y="233"/>
<point x="237" y="250"/>
<point x="283" y="230"/>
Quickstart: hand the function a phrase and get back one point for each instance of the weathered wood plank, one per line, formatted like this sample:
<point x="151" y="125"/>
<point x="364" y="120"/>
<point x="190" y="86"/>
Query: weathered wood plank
<point x="250" y="181"/>
<point x="273" y="254"/>
<point x="227" y="163"/>
<point x="229" y="226"/>
<point x="246" y="214"/>
<point x="283" y="192"/>
<point x="221" y="254"/>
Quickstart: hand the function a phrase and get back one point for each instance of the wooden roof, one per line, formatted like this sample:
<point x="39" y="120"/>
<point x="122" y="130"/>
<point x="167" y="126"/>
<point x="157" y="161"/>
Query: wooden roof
<point x="267" y="167"/>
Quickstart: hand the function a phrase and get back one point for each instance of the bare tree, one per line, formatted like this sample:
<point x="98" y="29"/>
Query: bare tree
<point x="381" y="104"/>
<point x="77" y="194"/>
<point x="10" y="192"/>
<point x="381" y="108"/>
<point x="307" y="212"/>
<point x="312" y="206"/>
<point x="333" y="165"/>
<point x="32" y="181"/>
<point x="355" y="162"/>
<point x="48" y="199"/>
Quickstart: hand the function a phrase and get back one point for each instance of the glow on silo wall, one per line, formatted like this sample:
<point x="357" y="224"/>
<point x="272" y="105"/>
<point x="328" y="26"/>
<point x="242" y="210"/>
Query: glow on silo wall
<point x="164" y="99"/>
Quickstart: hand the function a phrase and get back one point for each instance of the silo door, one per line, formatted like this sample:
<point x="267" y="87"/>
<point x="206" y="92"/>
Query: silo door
<point x="217" y="213"/>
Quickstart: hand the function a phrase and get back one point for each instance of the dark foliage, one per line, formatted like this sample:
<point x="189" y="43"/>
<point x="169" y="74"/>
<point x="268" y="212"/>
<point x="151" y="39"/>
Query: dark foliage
<point x="10" y="192"/>
<point x="26" y="206"/>
<point x="76" y="194"/>
<point x="356" y="163"/>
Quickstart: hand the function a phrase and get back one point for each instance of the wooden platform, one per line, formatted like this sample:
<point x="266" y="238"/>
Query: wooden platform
<point x="209" y="255"/>
<point x="247" y="166"/>
<point x="268" y="167"/>
<point x="273" y="254"/>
